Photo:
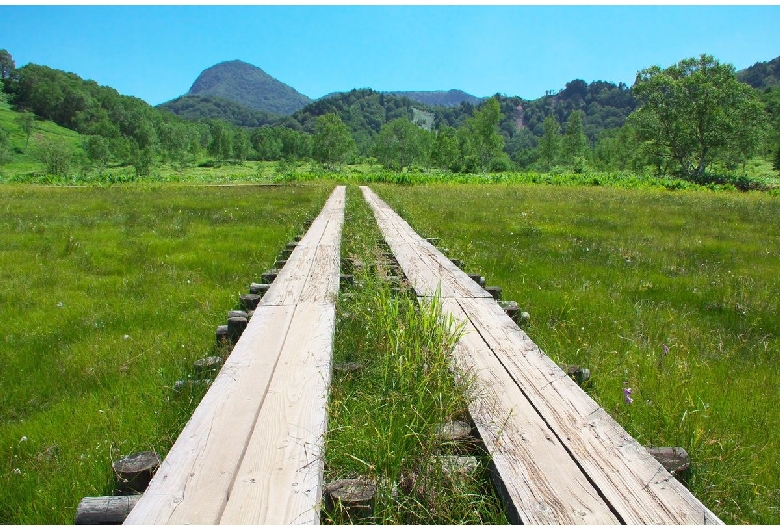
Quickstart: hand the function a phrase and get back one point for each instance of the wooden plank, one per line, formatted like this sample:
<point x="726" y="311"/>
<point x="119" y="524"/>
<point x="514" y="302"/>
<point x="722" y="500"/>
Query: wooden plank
<point x="541" y="483"/>
<point x="316" y="247"/>
<point x="269" y="396"/>
<point x="639" y="489"/>
<point x="631" y="482"/>
<point x="192" y="482"/>
<point x="280" y="478"/>
<point x="427" y="269"/>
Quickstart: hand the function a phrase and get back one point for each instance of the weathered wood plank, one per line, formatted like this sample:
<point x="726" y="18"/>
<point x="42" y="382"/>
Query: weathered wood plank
<point x="427" y="269"/>
<point x="313" y="255"/>
<point x="192" y="483"/>
<point x="639" y="489"/>
<point x="269" y="396"/>
<point x="280" y="478"/>
<point x="541" y="483"/>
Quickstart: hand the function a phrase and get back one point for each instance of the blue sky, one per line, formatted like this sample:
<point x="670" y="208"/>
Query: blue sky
<point x="156" y="52"/>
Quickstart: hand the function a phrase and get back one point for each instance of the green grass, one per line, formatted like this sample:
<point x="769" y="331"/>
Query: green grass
<point x="383" y="418"/>
<point x="611" y="276"/>
<point x="107" y="297"/>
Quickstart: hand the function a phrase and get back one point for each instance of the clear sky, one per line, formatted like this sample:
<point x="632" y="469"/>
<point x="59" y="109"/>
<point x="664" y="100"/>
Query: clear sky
<point x="156" y="52"/>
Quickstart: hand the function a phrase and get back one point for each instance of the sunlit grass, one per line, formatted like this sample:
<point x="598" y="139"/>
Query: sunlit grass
<point x="610" y="277"/>
<point x="107" y="297"/>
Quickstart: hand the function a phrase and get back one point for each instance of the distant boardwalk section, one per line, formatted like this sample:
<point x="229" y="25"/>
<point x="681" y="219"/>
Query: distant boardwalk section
<point x="252" y="451"/>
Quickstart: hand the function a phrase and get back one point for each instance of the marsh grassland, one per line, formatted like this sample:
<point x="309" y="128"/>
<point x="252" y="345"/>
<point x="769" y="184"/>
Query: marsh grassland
<point x="107" y="297"/>
<point x="671" y="294"/>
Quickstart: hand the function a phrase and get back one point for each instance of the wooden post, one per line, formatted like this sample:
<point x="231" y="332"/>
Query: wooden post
<point x="432" y="240"/>
<point x="511" y="309"/>
<point x="222" y="334"/>
<point x="208" y="364"/>
<point x="269" y="276"/>
<point x="237" y="313"/>
<point x="249" y="301"/>
<point x="674" y="459"/>
<point x="258" y="288"/>
<point x="458" y="263"/>
<point x="236" y="326"/>
<point x="134" y="472"/>
<point x="291" y="246"/>
<point x="480" y="280"/>
<point x="285" y="254"/>
<point x="495" y="291"/>
<point x="280" y="263"/>
<point x="577" y="373"/>
<point x="350" y="500"/>
<point x="105" y="510"/>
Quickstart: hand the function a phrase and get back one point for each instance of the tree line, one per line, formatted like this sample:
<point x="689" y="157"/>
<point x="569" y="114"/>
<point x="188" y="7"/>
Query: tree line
<point x="680" y="120"/>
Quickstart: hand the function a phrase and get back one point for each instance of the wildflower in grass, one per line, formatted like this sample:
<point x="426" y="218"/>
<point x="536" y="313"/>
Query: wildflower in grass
<point x="627" y="395"/>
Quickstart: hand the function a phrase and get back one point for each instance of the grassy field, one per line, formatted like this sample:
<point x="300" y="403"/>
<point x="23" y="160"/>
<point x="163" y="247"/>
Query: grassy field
<point x="671" y="294"/>
<point x="107" y="297"/>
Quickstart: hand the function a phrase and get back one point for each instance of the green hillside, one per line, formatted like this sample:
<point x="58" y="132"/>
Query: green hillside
<point x="218" y="108"/>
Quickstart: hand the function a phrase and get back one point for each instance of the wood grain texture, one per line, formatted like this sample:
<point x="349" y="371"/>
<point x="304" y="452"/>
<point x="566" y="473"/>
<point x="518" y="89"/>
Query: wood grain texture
<point x="252" y="449"/>
<point x="541" y="483"/>
<point x="280" y="478"/>
<point x="638" y="488"/>
<point x="534" y="399"/>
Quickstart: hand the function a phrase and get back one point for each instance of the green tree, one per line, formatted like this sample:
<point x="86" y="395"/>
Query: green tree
<point x="7" y="65"/>
<point x="400" y="144"/>
<point x="445" y="153"/>
<point x="221" y="146"/>
<point x="241" y="146"/>
<point x="693" y="109"/>
<point x="333" y="143"/>
<point x="549" y="144"/>
<point x="5" y="146"/>
<point x="575" y="143"/>
<point x="25" y="121"/>
<point x="55" y="154"/>
<point x="486" y="142"/>
<point x="98" y="151"/>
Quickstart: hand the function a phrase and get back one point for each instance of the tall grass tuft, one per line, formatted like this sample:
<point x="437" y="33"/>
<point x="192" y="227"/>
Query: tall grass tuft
<point x="384" y="418"/>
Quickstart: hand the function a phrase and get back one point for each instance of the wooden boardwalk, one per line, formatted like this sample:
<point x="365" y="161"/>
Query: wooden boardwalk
<point x="252" y="451"/>
<point x="558" y="457"/>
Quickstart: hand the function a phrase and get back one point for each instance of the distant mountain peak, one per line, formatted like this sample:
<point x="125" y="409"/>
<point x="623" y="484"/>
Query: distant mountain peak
<point x="248" y="85"/>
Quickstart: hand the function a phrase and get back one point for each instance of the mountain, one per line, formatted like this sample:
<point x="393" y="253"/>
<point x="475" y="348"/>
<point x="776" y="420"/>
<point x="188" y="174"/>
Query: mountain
<point x="218" y="108"/>
<point x="448" y="98"/>
<point x="250" y="86"/>
<point x="761" y="75"/>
